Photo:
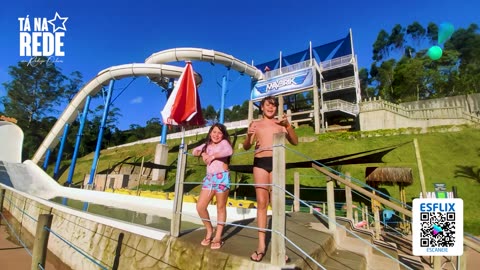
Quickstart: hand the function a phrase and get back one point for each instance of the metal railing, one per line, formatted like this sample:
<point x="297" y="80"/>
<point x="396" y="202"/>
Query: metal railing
<point x="337" y="62"/>
<point x="290" y="68"/>
<point x="340" y="105"/>
<point x="278" y="207"/>
<point x="340" y="84"/>
<point x="425" y="113"/>
<point x="278" y="202"/>
<point x="43" y="231"/>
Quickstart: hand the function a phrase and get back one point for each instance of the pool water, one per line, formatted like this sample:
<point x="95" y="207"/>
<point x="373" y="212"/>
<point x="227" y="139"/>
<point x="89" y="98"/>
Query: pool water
<point x="129" y="216"/>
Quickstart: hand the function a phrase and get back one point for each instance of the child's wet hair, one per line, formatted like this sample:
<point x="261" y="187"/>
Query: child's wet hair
<point x="270" y="99"/>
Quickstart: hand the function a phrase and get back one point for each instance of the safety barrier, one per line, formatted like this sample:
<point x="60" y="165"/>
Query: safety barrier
<point x="42" y="232"/>
<point x="279" y="239"/>
<point x="278" y="203"/>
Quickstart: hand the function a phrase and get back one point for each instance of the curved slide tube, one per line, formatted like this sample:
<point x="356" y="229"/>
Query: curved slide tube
<point x="91" y="88"/>
<point x="182" y="54"/>
<point x="152" y="69"/>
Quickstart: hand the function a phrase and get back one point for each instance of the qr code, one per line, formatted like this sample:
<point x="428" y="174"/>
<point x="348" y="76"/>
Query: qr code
<point x="437" y="229"/>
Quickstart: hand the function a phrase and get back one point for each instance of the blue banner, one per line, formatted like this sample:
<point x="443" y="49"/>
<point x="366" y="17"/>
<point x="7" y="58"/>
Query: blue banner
<point x="283" y="84"/>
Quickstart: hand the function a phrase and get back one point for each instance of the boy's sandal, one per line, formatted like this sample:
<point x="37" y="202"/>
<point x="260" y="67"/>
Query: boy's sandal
<point x="260" y="256"/>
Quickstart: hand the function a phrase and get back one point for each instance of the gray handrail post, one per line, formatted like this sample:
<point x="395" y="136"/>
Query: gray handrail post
<point x="367" y="218"/>
<point x="296" y="192"/>
<point x="40" y="243"/>
<point x="178" y="200"/>
<point x="376" y="217"/>
<point x="278" y="200"/>
<point x="332" y="226"/>
<point x="348" y="197"/>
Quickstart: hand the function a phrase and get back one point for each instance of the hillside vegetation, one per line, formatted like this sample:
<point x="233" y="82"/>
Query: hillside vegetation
<point x="449" y="155"/>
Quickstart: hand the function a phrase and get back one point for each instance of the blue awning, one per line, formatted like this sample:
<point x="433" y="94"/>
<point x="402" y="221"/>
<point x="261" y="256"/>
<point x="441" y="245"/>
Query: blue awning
<point x="321" y="53"/>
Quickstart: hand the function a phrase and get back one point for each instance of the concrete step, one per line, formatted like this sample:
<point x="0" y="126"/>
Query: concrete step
<point x="413" y="262"/>
<point x="242" y="242"/>
<point x="404" y="250"/>
<point x="360" y="243"/>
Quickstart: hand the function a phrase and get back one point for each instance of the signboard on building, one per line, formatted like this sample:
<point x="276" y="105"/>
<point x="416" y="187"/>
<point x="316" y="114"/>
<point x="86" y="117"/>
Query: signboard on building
<point x="282" y="84"/>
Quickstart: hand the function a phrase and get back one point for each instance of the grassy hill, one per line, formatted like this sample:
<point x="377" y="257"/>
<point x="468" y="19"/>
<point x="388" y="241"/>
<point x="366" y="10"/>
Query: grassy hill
<point x="449" y="155"/>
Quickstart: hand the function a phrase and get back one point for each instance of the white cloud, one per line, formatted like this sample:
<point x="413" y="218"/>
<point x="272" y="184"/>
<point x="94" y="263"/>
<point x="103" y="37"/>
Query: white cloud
<point x="136" y="100"/>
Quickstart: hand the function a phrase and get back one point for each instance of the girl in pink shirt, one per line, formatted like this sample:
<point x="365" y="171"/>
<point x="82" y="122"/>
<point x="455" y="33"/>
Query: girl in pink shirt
<point x="215" y="152"/>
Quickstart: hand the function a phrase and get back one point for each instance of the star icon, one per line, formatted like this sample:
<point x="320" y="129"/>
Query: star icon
<point x="54" y="20"/>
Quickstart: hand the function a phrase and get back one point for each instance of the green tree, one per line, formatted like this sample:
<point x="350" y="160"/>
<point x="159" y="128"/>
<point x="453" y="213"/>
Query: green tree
<point x="417" y="33"/>
<point x="380" y="47"/>
<point x="385" y="75"/>
<point x="412" y="75"/>
<point x="153" y="128"/>
<point x="366" y="90"/>
<point x="35" y="91"/>
<point x="467" y="43"/>
<point x="209" y="113"/>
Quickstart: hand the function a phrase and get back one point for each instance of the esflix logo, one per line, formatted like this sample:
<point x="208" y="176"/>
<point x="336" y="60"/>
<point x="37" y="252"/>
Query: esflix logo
<point x="42" y="38"/>
<point x="437" y="227"/>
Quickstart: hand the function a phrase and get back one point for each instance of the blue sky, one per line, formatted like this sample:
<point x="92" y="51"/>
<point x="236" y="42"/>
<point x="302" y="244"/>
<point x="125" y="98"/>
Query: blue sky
<point x="101" y="34"/>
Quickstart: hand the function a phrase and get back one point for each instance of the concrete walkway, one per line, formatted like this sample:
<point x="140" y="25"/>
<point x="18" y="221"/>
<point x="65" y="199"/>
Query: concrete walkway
<point x="239" y="242"/>
<point x="14" y="256"/>
<point x="243" y="242"/>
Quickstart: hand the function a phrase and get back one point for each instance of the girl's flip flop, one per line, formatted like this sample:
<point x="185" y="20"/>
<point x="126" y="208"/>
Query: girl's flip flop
<point x="216" y="245"/>
<point x="206" y="242"/>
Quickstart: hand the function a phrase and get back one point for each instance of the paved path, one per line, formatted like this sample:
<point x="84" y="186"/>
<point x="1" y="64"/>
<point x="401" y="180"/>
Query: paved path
<point x="14" y="256"/>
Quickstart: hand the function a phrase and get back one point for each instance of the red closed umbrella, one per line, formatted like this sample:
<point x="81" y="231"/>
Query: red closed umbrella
<point x="183" y="106"/>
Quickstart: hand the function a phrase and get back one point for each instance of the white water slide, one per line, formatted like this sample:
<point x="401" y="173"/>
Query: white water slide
<point x="154" y="68"/>
<point x="29" y="178"/>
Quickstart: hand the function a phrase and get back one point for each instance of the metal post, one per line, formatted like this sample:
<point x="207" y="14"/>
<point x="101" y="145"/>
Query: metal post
<point x="163" y="138"/>
<point x="60" y="151"/>
<point x="278" y="201"/>
<point x="39" y="253"/>
<point x="85" y="206"/>
<point x="178" y="200"/>
<point x="224" y="94"/>
<point x="47" y="157"/>
<point x="83" y="119"/>
<point x="316" y="106"/>
<point x="100" y="133"/>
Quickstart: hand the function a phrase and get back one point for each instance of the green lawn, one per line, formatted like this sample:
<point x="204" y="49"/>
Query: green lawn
<point x="451" y="157"/>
